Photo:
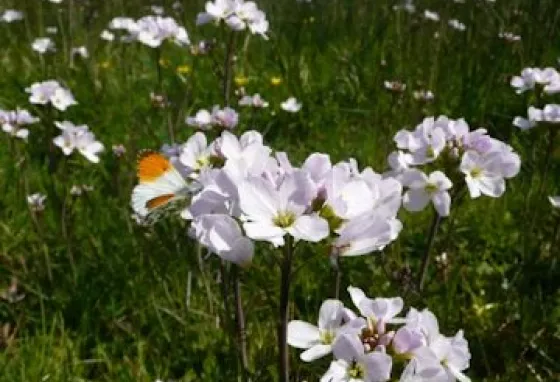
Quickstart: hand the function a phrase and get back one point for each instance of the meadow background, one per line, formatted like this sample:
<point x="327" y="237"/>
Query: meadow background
<point x="108" y="300"/>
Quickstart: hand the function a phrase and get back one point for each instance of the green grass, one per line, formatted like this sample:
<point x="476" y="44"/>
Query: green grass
<point x="107" y="300"/>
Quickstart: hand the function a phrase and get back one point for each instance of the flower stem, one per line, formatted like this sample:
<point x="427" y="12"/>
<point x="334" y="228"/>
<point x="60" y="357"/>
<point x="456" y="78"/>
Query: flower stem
<point x="426" y="260"/>
<point x="240" y="325"/>
<point x="283" y="313"/>
<point x="228" y="68"/>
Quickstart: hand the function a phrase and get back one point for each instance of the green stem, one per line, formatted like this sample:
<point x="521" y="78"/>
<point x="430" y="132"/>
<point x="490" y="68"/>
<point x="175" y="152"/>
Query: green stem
<point x="426" y="260"/>
<point x="283" y="313"/>
<point x="240" y="325"/>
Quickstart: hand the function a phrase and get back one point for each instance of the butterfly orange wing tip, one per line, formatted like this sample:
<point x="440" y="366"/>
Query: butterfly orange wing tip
<point x="152" y="165"/>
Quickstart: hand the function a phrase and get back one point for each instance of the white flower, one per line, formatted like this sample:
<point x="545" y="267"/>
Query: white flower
<point x="202" y="120"/>
<point x="395" y="86"/>
<point x="423" y="95"/>
<point x="549" y="78"/>
<point x="379" y="310"/>
<point x="51" y="30"/>
<point x="12" y="122"/>
<point x="36" y="202"/>
<point x="423" y="189"/>
<point x="483" y="174"/>
<point x="226" y="118"/>
<point x="236" y="14"/>
<point x="291" y="105"/>
<point x="56" y="1"/>
<point x="272" y="210"/>
<point x="555" y="201"/>
<point x="107" y="35"/>
<point x="430" y="15"/>
<point x="317" y="340"/>
<point x="549" y="114"/>
<point x="81" y="51"/>
<point x="353" y="364"/>
<point x="154" y="30"/>
<point x="366" y="233"/>
<point x="510" y="37"/>
<point x="78" y="138"/>
<point x="11" y="15"/>
<point x="196" y="153"/>
<point x="43" y="45"/>
<point x="407" y="5"/>
<point x="456" y="24"/>
<point x="50" y="91"/>
<point x="221" y="235"/>
<point x="254" y="101"/>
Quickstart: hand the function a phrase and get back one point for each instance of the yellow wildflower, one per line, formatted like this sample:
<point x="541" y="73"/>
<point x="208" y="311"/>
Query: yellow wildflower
<point x="183" y="69"/>
<point x="241" y="80"/>
<point x="275" y="81"/>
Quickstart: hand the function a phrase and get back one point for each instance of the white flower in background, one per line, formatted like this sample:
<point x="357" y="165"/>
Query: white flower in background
<point x="254" y="101"/>
<point x="222" y="235"/>
<point x="509" y="36"/>
<point x="226" y="118"/>
<point x="549" y="78"/>
<point x="317" y="340"/>
<point x="36" y="202"/>
<point x="291" y="105"/>
<point x="423" y="95"/>
<point x="407" y="5"/>
<point x="236" y="14"/>
<point x="157" y="10"/>
<point x="422" y="189"/>
<point x="430" y="15"/>
<point x="123" y="23"/>
<point x="43" y="45"/>
<point x="56" y="1"/>
<point x="11" y="15"/>
<point x="395" y="86"/>
<point x="202" y="120"/>
<point x="80" y="51"/>
<point x="154" y="30"/>
<point x="78" y="138"/>
<point x="534" y="115"/>
<point x="456" y="24"/>
<point x="51" y="30"/>
<point x="52" y="92"/>
<point x="555" y="201"/>
<point x="107" y="35"/>
<point x="13" y="121"/>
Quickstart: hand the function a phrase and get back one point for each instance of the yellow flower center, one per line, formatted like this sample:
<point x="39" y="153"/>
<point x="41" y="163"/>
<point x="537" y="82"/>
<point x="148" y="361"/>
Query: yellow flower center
<point x="275" y="81"/>
<point x="284" y="219"/>
<point x="476" y="172"/>
<point x="327" y="337"/>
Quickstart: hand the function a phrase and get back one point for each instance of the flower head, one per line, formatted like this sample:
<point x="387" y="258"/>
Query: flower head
<point x="78" y="138"/>
<point x="42" y="93"/>
<point x="291" y="105"/>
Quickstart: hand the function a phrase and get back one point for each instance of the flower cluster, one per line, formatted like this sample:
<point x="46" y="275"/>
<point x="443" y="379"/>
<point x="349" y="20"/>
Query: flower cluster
<point x="236" y="14"/>
<point x="368" y="346"/>
<point x="226" y="118"/>
<point x="248" y="194"/>
<point x="11" y="15"/>
<point x="450" y="149"/>
<point x="149" y="30"/>
<point x="548" y="80"/>
<point x="43" y="45"/>
<point x="78" y="138"/>
<point x="13" y="121"/>
<point x="43" y="93"/>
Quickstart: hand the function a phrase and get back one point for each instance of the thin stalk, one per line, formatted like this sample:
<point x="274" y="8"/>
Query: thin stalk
<point x="338" y="277"/>
<point x="228" y="68"/>
<point x="426" y="260"/>
<point x="283" y="313"/>
<point x="240" y="325"/>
